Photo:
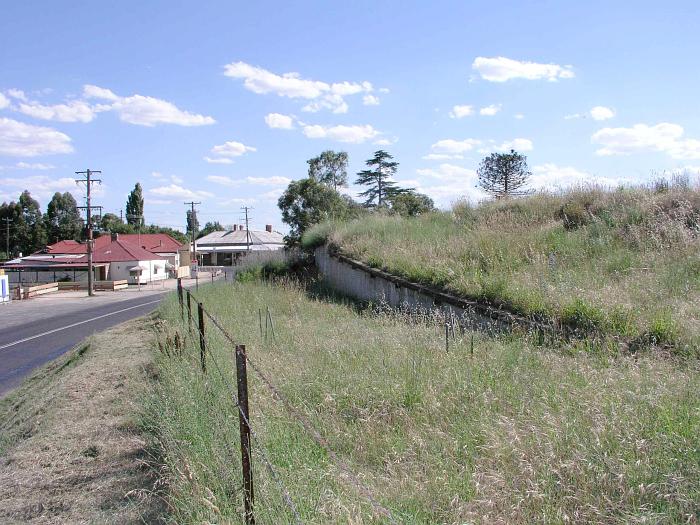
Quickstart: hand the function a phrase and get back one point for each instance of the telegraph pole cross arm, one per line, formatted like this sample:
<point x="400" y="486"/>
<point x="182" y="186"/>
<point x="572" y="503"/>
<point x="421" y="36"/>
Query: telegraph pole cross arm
<point x="86" y="178"/>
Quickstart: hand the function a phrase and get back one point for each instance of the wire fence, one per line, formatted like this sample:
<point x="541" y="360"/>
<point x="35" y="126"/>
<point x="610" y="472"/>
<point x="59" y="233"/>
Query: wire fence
<point x="250" y="441"/>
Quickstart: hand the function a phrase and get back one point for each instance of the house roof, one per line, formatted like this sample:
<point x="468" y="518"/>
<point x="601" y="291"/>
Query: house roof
<point x="153" y="242"/>
<point x="119" y="250"/>
<point x="238" y="238"/>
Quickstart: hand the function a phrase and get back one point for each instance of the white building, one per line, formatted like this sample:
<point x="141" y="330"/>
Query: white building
<point x="226" y="248"/>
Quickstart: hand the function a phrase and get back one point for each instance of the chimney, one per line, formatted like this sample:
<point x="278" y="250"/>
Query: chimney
<point x="235" y="226"/>
<point x="115" y="236"/>
<point x="268" y="228"/>
<point x="240" y="227"/>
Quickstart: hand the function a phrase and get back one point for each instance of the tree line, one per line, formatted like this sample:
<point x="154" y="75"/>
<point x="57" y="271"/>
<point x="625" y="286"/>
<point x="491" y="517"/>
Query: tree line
<point x="24" y="229"/>
<point x="318" y="197"/>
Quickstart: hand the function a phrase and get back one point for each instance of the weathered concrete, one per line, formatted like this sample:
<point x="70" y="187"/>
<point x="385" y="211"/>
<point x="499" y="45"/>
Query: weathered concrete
<point x="360" y="281"/>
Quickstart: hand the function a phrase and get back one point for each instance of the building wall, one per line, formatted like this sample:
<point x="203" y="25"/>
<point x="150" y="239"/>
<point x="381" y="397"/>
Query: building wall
<point x="49" y="276"/>
<point x="155" y="271"/>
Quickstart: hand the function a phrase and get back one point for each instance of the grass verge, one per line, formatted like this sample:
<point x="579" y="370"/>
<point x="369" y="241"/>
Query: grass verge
<point x="70" y="447"/>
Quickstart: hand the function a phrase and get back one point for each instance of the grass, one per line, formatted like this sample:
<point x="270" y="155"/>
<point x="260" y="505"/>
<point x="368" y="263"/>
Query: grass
<point x="511" y="434"/>
<point x="622" y="262"/>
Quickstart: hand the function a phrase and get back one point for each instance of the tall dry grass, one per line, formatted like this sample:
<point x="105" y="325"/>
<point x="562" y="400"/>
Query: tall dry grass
<point x="510" y="434"/>
<point x="624" y="262"/>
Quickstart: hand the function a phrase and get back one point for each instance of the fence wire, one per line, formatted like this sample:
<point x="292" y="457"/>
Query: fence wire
<point x="306" y="424"/>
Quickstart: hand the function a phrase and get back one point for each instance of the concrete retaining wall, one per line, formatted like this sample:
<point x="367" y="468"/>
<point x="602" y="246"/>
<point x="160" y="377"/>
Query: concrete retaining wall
<point x="359" y="281"/>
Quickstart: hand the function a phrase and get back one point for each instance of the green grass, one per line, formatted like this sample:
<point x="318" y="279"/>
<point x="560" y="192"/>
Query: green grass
<point x="620" y="262"/>
<point x="511" y="434"/>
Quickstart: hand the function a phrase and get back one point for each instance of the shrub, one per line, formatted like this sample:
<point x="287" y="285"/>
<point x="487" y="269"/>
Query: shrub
<point x="575" y="214"/>
<point x="582" y="317"/>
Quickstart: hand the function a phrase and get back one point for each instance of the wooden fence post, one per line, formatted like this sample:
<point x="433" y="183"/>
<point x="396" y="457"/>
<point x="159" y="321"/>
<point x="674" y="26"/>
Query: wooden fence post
<point x="179" y="297"/>
<point x="202" y="338"/>
<point x="244" y="427"/>
<point x="189" y="311"/>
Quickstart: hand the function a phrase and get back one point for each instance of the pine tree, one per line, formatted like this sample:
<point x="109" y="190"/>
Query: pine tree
<point x="504" y="174"/>
<point x="192" y="224"/>
<point x="378" y="179"/>
<point x="134" y="207"/>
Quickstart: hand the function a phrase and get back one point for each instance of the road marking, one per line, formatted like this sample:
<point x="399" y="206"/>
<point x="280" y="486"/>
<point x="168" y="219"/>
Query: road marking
<point x="76" y="324"/>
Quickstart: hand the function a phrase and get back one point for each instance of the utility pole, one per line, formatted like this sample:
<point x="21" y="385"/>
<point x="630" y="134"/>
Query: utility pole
<point x="89" y="181"/>
<point x="7" y="236"/>
<point x="193" y="217"/>
<point x="121" y="215"/>
<point x="247" y="229"/>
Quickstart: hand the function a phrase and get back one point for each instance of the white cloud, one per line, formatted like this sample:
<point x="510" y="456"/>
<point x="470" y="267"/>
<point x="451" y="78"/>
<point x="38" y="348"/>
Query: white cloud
<point x="36" y="166"/>
<point x="519" y="116"/>
<point x="385" y="141"/>
<point x="574" y="116"/>
<point x="17" y="93"/>
<point x="90" y="91"/>
<point x="73" y="111"/>
<point x="453" y="147"/>
<point x="279" y="121"/>
<point x="517" y="145"/>
<point x="231" y="149"/>
<point x="602" y="113"/>
<point x="177" y="179"/>
<point x="41" y="186"/>
<point x="218" y="161"/>
<point x="18" y="139"/>
<point x="325" y="95"/>
<point x="341" y="133"/>
<point x="370" y="100"/>
<point x="156" y="175"/>
<point x="663" y="137"/>
<point x="552" y="177"/>
<point x="149" y="111"/>
<point x="4" y="101"/>
<point x="491" y="110"/>
<point x="146" y="111"/>
<point x="384" y="90"/>
<point x="258" y="181"/>
<point x="441" y="156"/>
<point x="461" y="111"/>
<point x="501" y="69"/>
<point x="448" y="183"/>
<point x="177" y="191"/>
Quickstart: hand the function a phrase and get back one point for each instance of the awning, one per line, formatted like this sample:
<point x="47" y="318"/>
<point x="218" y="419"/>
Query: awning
<point x="138" y="269"/>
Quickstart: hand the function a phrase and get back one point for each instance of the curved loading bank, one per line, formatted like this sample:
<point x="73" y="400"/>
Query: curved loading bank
<point x="359" y="281"/>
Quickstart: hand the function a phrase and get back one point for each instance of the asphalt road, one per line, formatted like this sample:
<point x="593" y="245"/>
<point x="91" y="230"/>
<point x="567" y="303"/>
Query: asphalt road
<point x="24" y="347"/>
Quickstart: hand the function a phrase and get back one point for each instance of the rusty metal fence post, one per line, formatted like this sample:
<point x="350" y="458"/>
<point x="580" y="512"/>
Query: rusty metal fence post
<point x="244" y="427"/>
<point x="202" y="338"/>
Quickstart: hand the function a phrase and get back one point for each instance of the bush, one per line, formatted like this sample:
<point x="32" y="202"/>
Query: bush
<point x="582" y="317"/>
<point x="574" y="214"/>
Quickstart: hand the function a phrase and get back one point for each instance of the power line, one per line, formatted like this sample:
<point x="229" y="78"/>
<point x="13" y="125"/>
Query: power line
<point x="89" y="181"/>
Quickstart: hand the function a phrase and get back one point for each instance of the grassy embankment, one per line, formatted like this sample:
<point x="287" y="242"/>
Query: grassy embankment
<point x="622" y="262"/>
<point x="511" y="434"/>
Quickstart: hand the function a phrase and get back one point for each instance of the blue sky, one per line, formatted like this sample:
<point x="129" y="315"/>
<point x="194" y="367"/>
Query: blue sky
<point x="223" y="102"/>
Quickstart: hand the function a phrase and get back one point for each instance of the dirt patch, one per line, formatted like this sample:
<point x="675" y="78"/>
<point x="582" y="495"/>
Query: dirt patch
<point x="70" y="450"/>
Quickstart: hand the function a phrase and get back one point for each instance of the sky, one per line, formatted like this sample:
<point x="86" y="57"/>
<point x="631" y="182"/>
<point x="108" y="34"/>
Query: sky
<point x="222" y="102"/>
